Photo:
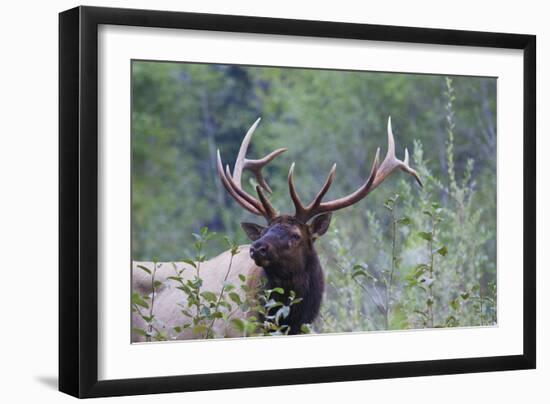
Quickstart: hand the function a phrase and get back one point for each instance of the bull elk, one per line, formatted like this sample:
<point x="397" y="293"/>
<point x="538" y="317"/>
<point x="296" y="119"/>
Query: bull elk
<point x="282" y="253"/>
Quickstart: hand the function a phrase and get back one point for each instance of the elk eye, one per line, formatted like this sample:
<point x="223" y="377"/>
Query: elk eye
<point x="295" y="237"/>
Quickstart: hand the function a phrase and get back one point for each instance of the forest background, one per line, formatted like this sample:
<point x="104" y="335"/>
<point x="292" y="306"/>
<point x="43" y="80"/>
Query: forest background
<point x="406" y="257"/>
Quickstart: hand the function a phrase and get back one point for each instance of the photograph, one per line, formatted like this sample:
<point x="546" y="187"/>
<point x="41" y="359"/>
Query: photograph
<point x="285" y="201"/>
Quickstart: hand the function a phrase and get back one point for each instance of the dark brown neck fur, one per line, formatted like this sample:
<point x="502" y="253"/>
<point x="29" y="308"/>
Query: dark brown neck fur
<point x="307" y="281"/>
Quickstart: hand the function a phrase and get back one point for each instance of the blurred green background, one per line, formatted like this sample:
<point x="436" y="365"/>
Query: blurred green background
<point x="183" y="112"/>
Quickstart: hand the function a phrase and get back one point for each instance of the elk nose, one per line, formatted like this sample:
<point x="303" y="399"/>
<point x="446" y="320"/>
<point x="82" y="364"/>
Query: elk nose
<point x="258" y="249"/>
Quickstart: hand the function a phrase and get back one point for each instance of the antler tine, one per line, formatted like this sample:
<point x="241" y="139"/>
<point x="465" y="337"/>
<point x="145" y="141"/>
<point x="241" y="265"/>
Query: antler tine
<point x="354" y="197"/>
<point x="409" y="170"/>
<point x="270" y="211"/>
<point x="232" y="183"/>
<point x="377" y="175"/>
<point x="241" y="157"/>
<point x="298" y="205"/>
<point x="228" y="186"/>
<point x="324" y="189"/>
<point x="302" y="212"/>
<point x="391" y="162"/>
<point x="244" y="195"/>
<point x="255" y="166"/>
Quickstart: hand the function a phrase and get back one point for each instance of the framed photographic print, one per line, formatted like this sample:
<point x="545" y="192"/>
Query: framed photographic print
<point x="208" y="241"/>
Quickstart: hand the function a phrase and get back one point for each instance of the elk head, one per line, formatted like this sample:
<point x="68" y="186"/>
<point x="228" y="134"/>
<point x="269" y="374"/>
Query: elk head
<point x="284" y="248"/>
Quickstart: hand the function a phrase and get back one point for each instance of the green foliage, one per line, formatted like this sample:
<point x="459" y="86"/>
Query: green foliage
<point x="407" y="257"/>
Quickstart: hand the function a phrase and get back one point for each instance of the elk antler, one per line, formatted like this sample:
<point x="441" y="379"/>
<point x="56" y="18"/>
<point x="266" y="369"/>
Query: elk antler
<point x="377" y="175"/>
<point x="232" y="183"/>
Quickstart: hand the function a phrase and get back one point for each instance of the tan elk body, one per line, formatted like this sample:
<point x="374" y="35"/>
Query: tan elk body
<point x="169" y="300"/>
<point x="282" y="254"/>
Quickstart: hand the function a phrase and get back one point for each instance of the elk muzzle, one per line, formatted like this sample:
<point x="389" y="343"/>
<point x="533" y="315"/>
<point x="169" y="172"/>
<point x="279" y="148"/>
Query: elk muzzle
<point x="260" y="253"/>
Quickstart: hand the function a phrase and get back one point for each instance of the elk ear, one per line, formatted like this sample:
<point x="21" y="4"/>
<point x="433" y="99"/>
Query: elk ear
<point x="252" y="230"/>
<point x="319" y="225"/>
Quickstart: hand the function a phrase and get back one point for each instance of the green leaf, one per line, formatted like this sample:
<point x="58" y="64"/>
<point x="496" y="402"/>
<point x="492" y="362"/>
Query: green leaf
<point x="280" y="291"/>
<point x="199" y="329"/>
<point x="136" y="299"/>
<point x="419" y="270"/>
<point x="144" y="269"/>
<point x="360" y="273"/>
<point x="404" y="220"/>
<point x="464" y="295"/>
<point x="242" y="277"/>
<point x="238" y="324"/>
<point x="140" y="332"/>
<point x="250" y="327"/>
<point x="423" y="314"/>
<point x="235" y="297"/>
<point x="209" y="296"/>
<point x="442" y="251"/>
<point x="228" y="287"/>
<point x="157" y="284"/>
<point x="357" y="267"/>
<point x="245" y="307"/>
<point x="190" y="262"/>
<point x="397" y="260"/>
<point x="454" y="304"/>
<point x="451" y="321"/>
<point x="184" y="288"/>
<point x="411" y="282"/>
<point x="296" y="301"/>
<point x="178" y="329"/>
<point x="425" y="235"/>
<point x="272" y="303"/>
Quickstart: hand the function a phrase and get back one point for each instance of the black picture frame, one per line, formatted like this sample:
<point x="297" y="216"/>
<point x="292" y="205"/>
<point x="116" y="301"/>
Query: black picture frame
<point x="78" y="200"/>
